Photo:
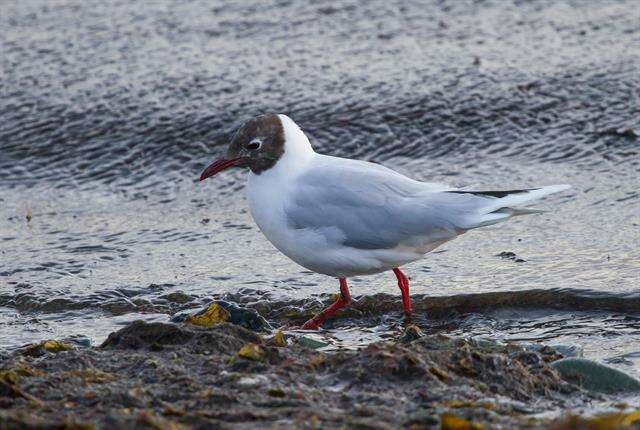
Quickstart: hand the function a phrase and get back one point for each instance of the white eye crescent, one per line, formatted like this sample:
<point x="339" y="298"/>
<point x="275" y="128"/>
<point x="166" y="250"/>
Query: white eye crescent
<point x="254" y="144"/>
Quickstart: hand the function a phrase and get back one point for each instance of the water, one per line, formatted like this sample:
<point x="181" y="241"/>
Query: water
<point x="110" y="110"/>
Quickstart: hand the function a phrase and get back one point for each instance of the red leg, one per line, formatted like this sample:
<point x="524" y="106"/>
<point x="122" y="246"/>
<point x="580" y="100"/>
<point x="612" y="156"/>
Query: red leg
<point x="315" y="322"/>
<point x="403" y="284"/>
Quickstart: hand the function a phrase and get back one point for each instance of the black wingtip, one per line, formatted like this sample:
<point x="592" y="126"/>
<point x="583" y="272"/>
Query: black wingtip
<point x="496" y="194"/>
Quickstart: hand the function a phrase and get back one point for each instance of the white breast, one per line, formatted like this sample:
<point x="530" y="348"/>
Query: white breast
<point x="268" y="191"/>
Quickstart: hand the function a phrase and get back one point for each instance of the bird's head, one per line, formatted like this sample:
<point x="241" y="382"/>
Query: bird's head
<point x="258" y="145"/>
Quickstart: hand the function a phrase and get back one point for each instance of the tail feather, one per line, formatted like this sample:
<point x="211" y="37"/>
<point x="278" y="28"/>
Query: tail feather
<point x="519" y="211"/>
<point x="496" y="206"/>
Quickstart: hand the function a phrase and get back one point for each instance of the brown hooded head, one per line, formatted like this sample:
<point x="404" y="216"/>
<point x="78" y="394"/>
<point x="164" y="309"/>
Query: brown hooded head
<point x="258" y="145"/>
<point x="260" y="141"/>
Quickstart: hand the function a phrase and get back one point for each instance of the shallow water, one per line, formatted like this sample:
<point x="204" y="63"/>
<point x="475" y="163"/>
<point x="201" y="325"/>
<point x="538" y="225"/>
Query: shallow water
<point x="109" y="112"/>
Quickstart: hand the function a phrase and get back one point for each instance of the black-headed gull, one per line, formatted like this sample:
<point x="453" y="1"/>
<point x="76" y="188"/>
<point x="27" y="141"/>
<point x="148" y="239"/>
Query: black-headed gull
<point x="343" y="217"/>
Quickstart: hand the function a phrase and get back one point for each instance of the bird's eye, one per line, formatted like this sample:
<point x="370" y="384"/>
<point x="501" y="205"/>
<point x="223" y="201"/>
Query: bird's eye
<point x="254" y="144"/>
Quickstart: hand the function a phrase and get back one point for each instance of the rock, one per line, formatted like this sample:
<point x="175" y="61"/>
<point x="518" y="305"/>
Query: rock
<point x="221" y="311"/>
<point x="569" y="350"/>
<point x="139" y="334"/>
<point x="245" y="317"/>
<point x="78" y="341"/>
<point x="551" y="351"/>
<point x="178" y="297"/>
<point x="223" y="338"/>
<point x="595" y="376"/>
<point x="508" y="255"/>
<point x="253" y="381"/>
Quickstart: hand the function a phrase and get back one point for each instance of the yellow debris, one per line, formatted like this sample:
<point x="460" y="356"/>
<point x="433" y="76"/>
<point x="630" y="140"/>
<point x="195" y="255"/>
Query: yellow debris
<point x="70" y="424"/>
<point x="9" y="376"/>
<point x="278" y="339"/>
<point x="148" y="419"/>
<point x="94" y="376"/>
<point x="439" y="373"/>
<point x="317" y="360"/>
<point x="610" y="421"/>
<point x="52" y="346"/>
<point x="56" y="346"/>
<point x="468" y="404"/>
<point x="251" y="351"/>
<point x="215" y="314"/>
<point x="22" y="369"/>
<point x="452" y="422"/>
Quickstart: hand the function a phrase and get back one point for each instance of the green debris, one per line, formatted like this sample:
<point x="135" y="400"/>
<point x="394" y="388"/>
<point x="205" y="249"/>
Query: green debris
<point x="214" y="314"/>
<point x="308" y="342"/>
<point x="251" y="351"/>
<point x="595" y="376"/>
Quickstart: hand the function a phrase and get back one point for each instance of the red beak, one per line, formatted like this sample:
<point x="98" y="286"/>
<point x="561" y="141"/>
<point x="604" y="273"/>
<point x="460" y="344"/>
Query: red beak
<point x="218" y="166"/>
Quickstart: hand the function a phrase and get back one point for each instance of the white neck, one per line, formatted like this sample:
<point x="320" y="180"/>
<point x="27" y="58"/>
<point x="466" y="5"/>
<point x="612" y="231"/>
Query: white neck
<point x="297" y="153"/>
<point x="297" y="147"/>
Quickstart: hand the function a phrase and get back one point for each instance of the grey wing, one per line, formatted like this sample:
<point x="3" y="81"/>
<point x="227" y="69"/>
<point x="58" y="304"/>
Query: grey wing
<point x="366" y="206"/>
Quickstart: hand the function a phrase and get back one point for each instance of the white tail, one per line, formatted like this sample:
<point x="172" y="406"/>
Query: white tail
<point x="496" y="206"/>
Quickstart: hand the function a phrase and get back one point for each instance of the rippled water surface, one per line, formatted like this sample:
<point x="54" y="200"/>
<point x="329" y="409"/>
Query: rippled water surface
<point x="110" y="110"/>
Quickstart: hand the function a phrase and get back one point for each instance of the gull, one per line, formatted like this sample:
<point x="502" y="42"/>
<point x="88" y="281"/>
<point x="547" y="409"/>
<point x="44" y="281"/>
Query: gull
<point x="342" y="217"/>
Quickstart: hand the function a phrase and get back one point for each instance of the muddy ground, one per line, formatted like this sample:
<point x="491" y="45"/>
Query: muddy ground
<point x="182" y="375"/>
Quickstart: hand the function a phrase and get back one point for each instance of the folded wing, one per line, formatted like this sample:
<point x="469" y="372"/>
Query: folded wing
<point x="367" y="206"/>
